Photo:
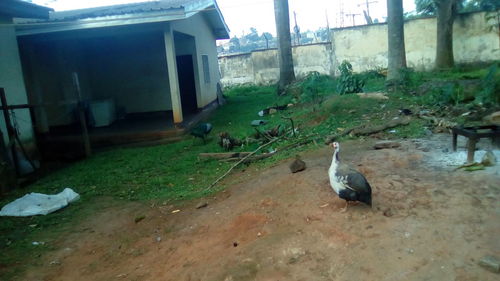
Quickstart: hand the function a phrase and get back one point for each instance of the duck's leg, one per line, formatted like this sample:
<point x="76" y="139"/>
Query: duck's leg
<point x="343" y="210"/>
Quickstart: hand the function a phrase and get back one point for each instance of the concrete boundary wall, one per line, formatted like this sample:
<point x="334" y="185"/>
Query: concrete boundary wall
<point x="365" y="47"/>
<point x="261" y="67"/>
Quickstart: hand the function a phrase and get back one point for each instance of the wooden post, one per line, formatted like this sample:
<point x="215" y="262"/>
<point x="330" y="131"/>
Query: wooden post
<point x="454" y="141"/>
<point x="471" y="149"/>
<point x="81" y="114"/>
<point x="10" y="130"/>
<point x="7" y="175"/>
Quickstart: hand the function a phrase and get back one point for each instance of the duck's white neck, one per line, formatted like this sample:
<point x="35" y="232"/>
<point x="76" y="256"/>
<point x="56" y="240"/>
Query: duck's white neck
<point x="335" y="159"/>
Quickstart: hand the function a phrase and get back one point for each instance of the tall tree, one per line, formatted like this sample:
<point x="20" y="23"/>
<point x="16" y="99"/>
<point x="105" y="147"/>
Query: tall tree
<point x="285" y="59"/>
<point x="396" y="39"/>
<point x="446" y="12"/>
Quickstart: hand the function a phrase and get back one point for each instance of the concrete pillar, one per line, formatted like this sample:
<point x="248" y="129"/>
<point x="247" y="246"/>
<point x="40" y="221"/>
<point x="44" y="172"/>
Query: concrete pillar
<point x="175" y="94"/>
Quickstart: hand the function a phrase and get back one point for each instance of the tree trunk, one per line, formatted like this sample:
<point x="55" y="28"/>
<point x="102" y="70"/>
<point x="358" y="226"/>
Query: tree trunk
<point x="396" y="39"/>
<point x="446" y="11"/>
<point x="285" y="59"/>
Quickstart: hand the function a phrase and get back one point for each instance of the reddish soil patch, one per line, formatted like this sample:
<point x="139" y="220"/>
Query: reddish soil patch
<point x="426" y="224"/>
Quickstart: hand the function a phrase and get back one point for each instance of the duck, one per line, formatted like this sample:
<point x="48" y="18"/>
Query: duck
<point x="201" y="131"/>
<point x="348" y="183"/>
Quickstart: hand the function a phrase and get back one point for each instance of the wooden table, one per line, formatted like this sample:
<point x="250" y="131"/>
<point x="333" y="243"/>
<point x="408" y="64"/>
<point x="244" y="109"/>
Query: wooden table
<point x="474" y="134"/>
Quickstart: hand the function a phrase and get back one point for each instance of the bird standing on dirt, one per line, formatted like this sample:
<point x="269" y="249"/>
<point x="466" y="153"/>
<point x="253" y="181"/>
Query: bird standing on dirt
<point x="227" y="142"/>
<point x="201" y="131"/>
<point x="348" y="183"/>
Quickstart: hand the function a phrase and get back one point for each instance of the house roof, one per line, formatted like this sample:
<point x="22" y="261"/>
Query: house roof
<point x="21" y="9"/>
<point x="125" y="14"/>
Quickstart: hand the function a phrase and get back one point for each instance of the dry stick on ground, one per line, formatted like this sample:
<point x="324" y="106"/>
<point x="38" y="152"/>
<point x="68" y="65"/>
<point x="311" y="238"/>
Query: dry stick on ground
<point x="263" y="134"/>
<point x="363" y="130"/>
<point x="250" y="159"/>
<point x="223" y="155"/>
<point x="241" y="161"/>
<point x="438" y="122"/>
<point x="291" y="121"/>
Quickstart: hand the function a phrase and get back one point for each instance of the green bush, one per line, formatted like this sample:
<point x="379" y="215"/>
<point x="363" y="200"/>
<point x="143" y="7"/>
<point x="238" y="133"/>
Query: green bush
<point x="347" y="82"/>
<point x="411" y="79"/>
<point x="315" y="88"/>
<point x="490" y="94"/>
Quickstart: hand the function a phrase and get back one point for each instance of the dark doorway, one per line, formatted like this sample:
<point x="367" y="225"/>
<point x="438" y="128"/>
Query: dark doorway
<point x="186" y="84"/>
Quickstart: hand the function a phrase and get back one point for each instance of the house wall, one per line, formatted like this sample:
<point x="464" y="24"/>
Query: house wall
<point x="198" y="27"/>
<point x="11" y="79"/>
<point x="365" y="47"/>
<point x="129" y="69"/>
<point x="123" y="64"/>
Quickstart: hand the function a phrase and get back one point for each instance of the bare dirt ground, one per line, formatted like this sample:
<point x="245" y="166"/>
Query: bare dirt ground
<point x="427" y="223"/>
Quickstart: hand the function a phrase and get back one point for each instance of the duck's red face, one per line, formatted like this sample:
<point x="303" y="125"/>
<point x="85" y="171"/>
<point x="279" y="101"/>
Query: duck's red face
<point x="335" y="146"/>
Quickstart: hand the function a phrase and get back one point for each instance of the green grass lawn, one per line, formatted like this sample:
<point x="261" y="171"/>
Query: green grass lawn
<point x="174" y="173"/>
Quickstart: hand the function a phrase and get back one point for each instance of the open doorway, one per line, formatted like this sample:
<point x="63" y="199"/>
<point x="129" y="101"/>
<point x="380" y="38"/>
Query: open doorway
<point x="187" y="86"/>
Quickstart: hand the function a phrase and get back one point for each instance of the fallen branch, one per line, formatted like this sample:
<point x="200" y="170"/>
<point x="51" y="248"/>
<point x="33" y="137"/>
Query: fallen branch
<point x="438" y="122"/>
<point x="250" y="159"/>
<point x="368" y="130"/>
<point x="362" y="131"/>
<point x="241" y="161"/>
<point x="224" y="155"/>
<point x="259" y="133"/>
<point x="291" y="121"/>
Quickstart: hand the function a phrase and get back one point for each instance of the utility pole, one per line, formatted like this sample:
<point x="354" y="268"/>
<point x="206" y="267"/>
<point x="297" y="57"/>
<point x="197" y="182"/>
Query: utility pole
<point x="353" y="15"/>
<point x="367" y="13"/>
<point x="340" y="14"/>
<point x="328" y="27"/>
<point x="267" y="40"/>
<point x="296" y="28"/>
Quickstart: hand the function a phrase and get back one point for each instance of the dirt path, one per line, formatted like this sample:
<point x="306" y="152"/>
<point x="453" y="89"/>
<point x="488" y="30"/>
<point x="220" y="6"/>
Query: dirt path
<point x="426" y="224"/>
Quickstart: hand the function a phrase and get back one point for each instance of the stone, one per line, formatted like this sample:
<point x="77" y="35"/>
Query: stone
<point x="258" y="122"/>
<point x="489" y="159"/>
<point x="297" y="166"/>
<point x="490" y="263"/>
<point x="386" y="144"/>
<point x="388" y="213"/>
<point x="201" y="205"/>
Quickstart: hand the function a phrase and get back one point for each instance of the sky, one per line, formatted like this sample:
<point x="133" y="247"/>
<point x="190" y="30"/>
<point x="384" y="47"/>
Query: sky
<point x="241" y="15"/>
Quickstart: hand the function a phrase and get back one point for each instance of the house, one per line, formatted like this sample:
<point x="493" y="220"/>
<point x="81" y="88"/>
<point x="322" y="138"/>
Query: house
<point x="11" y="76"/>
<point x="139" y="71"/>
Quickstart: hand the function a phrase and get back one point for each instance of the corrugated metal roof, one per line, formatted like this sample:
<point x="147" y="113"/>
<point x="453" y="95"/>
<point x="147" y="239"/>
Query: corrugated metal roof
<point x="17" y="8"/>
<point x="126" y="14"/>
<point x="123" y="9"/>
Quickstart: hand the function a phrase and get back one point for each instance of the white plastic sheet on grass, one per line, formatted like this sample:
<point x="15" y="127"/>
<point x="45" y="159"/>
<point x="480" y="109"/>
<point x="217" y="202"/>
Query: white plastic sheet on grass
<point x="39" y="204"/>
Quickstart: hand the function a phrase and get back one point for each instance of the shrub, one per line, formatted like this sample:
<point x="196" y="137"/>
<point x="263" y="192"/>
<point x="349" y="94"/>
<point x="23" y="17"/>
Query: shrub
<point x="490" y="88"/>
<point x="348" y="83"/>
<point x="315" y="88"/>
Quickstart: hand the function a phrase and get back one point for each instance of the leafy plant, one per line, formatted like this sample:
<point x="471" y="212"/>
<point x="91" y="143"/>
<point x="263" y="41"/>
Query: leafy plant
<point x="411" y="78"/>
<point x="348" y="83"/>
<point x="489" y="94"/>
<point x="315" y="88"/>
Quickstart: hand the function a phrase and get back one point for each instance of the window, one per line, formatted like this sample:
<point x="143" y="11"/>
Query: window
<point x="206" y="68"/>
